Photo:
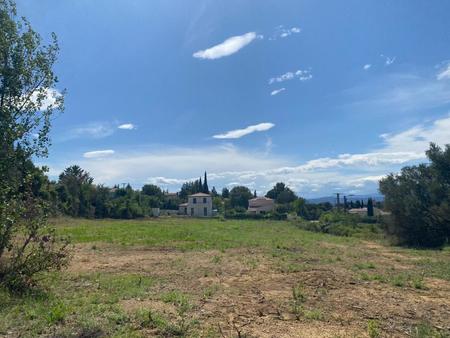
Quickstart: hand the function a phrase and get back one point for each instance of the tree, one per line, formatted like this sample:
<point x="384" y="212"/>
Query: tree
<point x="419" y="200"/>
<point x="27" y="103"/>
<point x="281" y="194"/>
<point x="239" y="196"/>
<point x="254" y="194"/>
<point x="370" y="207"/>
<point x="225" y="193"/>
<point x="205" y="185"/>
<point x="75" y="191"/>
<point x="152" y="190"/>
<point x="214" y="192"/>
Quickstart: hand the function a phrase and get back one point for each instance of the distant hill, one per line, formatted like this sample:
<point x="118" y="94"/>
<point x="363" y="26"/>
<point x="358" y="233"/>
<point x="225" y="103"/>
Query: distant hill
<point x="332" y="199"/>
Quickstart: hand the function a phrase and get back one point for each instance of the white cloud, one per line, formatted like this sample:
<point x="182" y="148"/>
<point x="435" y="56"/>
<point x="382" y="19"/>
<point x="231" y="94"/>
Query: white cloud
<point x="238" y="133"/>
<point x="302" y="75"/>
<point x="289" y="31"/>
<point x="388" y="60"/>
<point x="127" y="126"/>
<point x="367" y="66"/>
<point x="228" y="47"/>
<point x="358" y="173"/>
<point x="444" y="72"/>
<point x="94" y="130"/>
<point x="281" y="32"/>
<point x="98" y="153"/>
<point x="48" y="98"/>
<point x="277" y="91"/>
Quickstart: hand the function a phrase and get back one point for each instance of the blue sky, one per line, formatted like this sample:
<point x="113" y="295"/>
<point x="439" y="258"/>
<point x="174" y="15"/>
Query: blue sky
<point x="326" y="96"/>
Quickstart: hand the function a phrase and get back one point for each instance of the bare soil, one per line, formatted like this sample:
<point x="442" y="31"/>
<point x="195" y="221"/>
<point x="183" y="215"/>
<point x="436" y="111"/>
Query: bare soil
<point x="245" y="292"/>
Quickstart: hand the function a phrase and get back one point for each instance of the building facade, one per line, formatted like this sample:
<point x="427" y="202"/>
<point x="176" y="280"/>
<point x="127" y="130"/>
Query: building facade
<point x="198" y="205"/>
<point x="260" y="205"/>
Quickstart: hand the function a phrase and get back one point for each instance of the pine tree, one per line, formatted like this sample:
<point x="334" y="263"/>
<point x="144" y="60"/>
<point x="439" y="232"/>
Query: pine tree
<point x="254" y="194"/>
<point x="362" y="204"/>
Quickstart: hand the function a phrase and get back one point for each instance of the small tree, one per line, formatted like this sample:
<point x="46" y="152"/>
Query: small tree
<point x="27" y="102"/>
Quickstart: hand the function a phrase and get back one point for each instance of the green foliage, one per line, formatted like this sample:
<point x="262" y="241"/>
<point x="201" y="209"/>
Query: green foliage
<point x="341" y="223"/>
<point x="225" y="193"/>
<point x="373" y="329"/>
<point x="298" y="299"/>
<point x="281" y="194"/>
<point x="239" y="197"/>
<point x="27" y="245"/>
<point x="419" y="201"/>
<point x="310" y="211"/>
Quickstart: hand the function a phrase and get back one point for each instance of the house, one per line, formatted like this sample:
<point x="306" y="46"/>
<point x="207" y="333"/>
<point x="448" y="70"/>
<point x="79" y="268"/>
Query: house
<point x="198" y="205"/>
<point x="260" y="205"/>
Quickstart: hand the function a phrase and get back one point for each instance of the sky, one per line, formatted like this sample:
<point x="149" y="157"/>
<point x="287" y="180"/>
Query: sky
<point x="326" y="96"/>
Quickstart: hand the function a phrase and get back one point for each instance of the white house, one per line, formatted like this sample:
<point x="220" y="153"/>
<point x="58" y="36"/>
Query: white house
<point x="198" y="205"/>
<point x="260" y="205"/>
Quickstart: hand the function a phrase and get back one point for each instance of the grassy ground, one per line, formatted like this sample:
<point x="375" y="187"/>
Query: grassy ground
<point x="213" y="278"/>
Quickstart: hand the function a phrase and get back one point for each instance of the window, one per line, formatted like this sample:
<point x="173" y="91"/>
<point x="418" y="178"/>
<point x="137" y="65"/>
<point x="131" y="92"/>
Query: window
<point x="205" y="211"/>
<point x="204" y="200"/>
<point x="194" y="201"/>
<point x="192" y="211"/>
<point x="185" y="211"/>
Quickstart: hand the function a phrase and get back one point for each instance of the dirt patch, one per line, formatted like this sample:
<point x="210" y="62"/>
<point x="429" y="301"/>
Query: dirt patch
<point x="245" y="291"/>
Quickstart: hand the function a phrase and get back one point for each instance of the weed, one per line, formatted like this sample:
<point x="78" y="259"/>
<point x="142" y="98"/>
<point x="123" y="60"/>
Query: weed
<point x="298" y="299"/>
<point x="373" y="329"/>
<point x="210" y="291"/>
<point x="362" y="266"/>
<point x="425" y="330"/>
<point x="57" y="313"/>
<point x="216" y="259"/>
<point x="314" y="314"/>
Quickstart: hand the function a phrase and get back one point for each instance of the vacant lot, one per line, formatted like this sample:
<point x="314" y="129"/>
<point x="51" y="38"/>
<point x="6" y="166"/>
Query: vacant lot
<point x="212" y="278"/>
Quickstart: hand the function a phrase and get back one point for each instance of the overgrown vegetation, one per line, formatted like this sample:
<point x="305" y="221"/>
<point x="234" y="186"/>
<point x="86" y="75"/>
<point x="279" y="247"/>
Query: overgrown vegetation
<point x="27" y="245"/>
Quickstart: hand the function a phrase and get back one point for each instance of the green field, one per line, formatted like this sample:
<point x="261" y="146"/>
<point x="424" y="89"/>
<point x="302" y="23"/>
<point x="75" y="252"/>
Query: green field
<point x="212" y="278"/>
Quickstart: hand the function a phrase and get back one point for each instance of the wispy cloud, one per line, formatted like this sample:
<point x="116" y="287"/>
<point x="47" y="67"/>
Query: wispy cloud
<point x="277" y="91"/>
<point x="127" y="126"/>
<point x="228" y="47"/>
<point x="238" y="133"/>
<point x="367" y="66"/>
<point x="98" y="153"/>
<point x="93" y="130"/>
<point x="444" y="72"/>
<point x="388" y="60"/>
<point x="302" y="75"/>
<point x="398" y="93"/>
<point x="282" y="32"/>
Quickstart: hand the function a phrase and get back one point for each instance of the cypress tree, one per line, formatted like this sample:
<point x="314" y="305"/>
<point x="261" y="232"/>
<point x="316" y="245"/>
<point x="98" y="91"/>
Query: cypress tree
<point x="370" y="207"/>
<point x="205" y="185"/>
<point x="254" y="194"/>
